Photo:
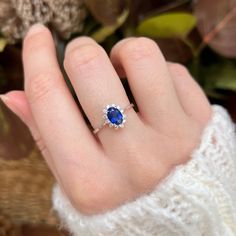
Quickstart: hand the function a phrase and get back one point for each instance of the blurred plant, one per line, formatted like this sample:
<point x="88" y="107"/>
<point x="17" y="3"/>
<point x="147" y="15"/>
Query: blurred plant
<point x="3" y="43"/>
<point x="217" y="25"/>
<point x="64" y="16"/>
<point x="197" y="33"/>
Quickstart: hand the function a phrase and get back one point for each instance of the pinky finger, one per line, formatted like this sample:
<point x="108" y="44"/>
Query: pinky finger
<point x="191" y="96"/>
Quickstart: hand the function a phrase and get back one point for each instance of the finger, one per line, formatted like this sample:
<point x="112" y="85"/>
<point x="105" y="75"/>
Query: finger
<point x="97" y="85"/>
<point x="84" y="200"/>
<point x="149" y="79"/>
<point x="17" y="102"/>
<point x="191" y="96"/>
<point x="61" y="125"/>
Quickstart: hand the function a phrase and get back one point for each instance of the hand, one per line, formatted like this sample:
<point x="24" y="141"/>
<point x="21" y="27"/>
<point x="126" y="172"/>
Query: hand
<point x="101" y="172"/>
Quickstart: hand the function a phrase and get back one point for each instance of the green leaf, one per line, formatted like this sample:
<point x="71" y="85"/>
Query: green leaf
<point x="3" y="43"/>
<point x="168" y="25"/>
<point x="101" y="34"/>
<point x="227" y="78"/>
<point x="219" y="76"/>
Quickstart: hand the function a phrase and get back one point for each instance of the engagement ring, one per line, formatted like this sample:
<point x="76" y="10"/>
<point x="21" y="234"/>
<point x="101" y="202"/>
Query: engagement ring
<point x="114" y="117"/>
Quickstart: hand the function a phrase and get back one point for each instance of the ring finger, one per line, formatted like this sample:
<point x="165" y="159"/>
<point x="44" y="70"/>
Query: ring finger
<point x="149" y="80"/>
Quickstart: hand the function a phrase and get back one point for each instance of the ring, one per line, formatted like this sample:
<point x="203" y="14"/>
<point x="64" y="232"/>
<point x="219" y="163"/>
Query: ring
<point x="114" y="117"/>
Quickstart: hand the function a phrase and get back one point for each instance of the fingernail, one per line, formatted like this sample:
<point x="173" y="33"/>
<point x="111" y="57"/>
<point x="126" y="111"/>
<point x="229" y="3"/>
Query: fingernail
<point x="7" y="101"/>
<point x="11" y="103"/>
<point x="36" y="28"/>
<point x="4" y="98"/>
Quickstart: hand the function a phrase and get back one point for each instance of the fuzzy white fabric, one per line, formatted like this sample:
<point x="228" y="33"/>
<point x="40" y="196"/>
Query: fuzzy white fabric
<point x="198" y="198"/>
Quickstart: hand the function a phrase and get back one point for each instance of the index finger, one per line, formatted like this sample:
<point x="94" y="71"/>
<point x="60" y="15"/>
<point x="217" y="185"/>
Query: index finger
<point x="56" y="114"/>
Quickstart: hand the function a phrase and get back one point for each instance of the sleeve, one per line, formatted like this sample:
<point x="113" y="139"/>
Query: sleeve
<point x="197" y="198"/>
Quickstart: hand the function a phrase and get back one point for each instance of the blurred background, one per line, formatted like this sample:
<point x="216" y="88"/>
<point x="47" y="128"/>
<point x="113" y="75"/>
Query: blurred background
<point x="201" y="34"/>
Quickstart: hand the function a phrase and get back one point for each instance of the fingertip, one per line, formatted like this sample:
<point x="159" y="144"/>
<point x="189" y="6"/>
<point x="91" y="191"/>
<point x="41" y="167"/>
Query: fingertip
<point x="16" y="101"/>
<point x="35" y="35"/>
<point x="78" y="42"/>
<point x="35" y="40"/>
<point x="35" y="29"/>
<point x="4" y="98"/>
<point x="114" y="53"/>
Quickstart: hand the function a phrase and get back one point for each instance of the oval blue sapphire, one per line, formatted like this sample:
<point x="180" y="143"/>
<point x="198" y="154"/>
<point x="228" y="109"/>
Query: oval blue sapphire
<point x="114" y="115"/>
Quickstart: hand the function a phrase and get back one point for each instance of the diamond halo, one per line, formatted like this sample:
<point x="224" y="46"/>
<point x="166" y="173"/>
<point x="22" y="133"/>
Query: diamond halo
<point x="114" y="116"/>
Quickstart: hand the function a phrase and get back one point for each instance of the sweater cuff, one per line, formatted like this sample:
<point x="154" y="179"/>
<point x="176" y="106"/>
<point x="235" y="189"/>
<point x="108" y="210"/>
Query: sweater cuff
<point x="197" y="198"/>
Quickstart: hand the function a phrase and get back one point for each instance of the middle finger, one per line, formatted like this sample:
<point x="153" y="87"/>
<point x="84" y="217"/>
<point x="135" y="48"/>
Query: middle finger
<point x="97" y="85"/>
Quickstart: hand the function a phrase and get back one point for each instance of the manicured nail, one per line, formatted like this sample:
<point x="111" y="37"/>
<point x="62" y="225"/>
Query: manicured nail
<point x="36" y="28"/>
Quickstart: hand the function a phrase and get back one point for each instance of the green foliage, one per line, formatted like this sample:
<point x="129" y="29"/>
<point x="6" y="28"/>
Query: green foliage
<point x="3" y="43"/>
<point x="169" y="25"/>
<point x="220" y="76"/>
<point x="227" y="80"/>
<point x="184" y="32"/>
<point x="101" y="34"/>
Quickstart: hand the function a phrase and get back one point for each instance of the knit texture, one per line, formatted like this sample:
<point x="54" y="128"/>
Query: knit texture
<point x="197" y="198"/>
<point x="64" y="16"/>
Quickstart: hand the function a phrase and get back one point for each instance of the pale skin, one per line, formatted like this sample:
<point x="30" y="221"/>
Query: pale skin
<point x="101" y="172"/>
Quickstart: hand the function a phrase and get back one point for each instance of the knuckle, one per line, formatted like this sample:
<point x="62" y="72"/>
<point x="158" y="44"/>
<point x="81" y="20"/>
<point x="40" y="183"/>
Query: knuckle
<point x="39" y="86"/>
<point x="82" y="40"/>
<point x="132" y="152"/>
<point x="145" y="174"/>
<point x="83" y="57"/>
<point x="178" y="69"/>
<point x="138" y="48"/>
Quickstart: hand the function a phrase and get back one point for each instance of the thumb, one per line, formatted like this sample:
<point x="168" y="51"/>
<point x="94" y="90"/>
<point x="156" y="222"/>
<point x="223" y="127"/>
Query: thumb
<point x="17" y="102"/>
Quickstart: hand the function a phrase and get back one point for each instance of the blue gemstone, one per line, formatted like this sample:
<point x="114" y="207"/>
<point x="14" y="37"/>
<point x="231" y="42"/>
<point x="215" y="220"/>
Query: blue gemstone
<point x="115" y="116"/>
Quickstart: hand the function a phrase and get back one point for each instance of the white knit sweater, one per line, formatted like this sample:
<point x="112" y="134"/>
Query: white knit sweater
<point x="196" y="199"/>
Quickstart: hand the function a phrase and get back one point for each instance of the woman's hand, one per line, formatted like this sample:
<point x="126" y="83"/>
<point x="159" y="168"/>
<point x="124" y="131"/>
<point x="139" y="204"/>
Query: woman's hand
<point x="101" y="172"/>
